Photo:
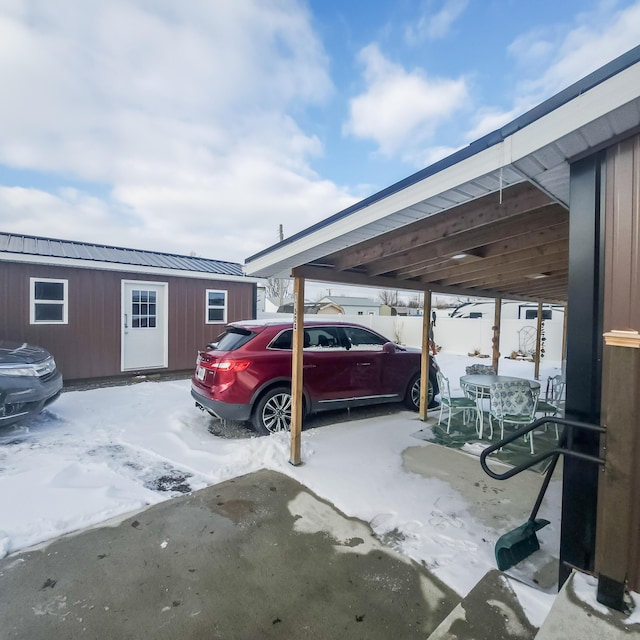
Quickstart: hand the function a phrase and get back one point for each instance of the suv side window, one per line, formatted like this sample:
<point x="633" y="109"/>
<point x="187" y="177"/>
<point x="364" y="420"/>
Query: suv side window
<point x="363" y="339"/>
<point x="314" y="338"/>
<point x="322" y="338"/>
<point x="283" y="340"/>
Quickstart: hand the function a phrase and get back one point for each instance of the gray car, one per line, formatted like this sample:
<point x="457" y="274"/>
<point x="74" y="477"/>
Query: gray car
<point x="29" y="380"/>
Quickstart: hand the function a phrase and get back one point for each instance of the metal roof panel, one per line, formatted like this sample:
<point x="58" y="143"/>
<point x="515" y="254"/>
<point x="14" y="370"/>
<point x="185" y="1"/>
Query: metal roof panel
<point x="61" y="249"/>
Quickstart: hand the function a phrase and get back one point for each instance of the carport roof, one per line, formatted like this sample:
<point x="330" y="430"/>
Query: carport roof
<point x="489" y="220"/>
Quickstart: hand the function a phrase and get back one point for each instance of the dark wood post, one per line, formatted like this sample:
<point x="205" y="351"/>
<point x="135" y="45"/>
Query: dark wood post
<point x="536" y="374"/>
<point x="495" y="341"/>
<point x="426" y="355"/>
<point x="618" y="522"/>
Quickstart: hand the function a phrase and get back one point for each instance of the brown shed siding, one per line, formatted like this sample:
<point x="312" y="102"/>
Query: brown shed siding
<point x="188" y="331"/>
<point x="89" y="345"/>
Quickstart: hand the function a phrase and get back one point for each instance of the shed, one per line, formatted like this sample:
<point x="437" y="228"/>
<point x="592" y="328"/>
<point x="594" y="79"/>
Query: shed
<point x="107" y="311"/>
<point x="544" y="209"/>
<point x="349" y="305"/>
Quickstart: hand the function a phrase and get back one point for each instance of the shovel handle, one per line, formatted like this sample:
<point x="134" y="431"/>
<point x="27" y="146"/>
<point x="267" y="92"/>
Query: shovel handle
<point x="543" y="488"/>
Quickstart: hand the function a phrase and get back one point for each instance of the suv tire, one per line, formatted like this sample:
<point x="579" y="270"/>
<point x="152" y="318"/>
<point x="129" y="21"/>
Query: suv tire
<point x="272" y="412"/>
<point x="412" y="396"/>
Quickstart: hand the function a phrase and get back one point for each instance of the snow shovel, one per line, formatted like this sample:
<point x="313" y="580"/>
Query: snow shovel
<point x="521" y="542"/>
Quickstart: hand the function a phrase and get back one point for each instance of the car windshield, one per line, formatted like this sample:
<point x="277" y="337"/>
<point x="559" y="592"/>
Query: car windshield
<point x="232" y="338"/>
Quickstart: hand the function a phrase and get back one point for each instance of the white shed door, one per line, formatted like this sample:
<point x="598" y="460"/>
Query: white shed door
<point x="144" y="325"/>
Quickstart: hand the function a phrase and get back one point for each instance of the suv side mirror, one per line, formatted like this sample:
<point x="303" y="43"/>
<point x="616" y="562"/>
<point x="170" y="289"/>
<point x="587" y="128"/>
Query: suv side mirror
<point x="388" y="347"/>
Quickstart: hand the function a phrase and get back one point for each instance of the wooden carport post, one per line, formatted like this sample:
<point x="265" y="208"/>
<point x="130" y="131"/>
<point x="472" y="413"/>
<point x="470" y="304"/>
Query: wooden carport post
<point x="536" y="374"/>
<point x="617" y="558"/>
<point x="426" y="355"/>
<point x="296" y="369"/>
<point x="495" y="341"/>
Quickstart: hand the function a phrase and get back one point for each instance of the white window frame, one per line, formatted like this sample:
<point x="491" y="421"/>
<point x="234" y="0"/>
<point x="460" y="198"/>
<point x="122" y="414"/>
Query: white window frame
<point x="64" y="302"/>
<point x="207" y="306"/>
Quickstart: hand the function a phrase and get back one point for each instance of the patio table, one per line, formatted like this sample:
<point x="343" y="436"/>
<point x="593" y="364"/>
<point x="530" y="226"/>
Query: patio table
<point x="480" y="384"/>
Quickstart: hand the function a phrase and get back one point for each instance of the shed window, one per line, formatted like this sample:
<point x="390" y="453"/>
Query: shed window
<point x="48" y="301"/>
<point x="216" y="307"/>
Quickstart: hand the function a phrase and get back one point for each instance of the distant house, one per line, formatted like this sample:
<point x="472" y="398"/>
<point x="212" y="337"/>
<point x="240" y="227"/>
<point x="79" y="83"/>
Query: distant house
<point x="107" y="311"/>
<point x="386" y="310"/>
<point x="349" y="306"/>
<point x="288" y="304"/>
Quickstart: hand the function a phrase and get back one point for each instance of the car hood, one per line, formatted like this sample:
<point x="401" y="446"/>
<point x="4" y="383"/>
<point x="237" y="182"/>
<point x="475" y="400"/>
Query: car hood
<point x="21" y="353"/>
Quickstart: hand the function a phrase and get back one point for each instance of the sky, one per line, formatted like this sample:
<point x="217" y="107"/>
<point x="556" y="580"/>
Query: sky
<point x="200" y="127"/>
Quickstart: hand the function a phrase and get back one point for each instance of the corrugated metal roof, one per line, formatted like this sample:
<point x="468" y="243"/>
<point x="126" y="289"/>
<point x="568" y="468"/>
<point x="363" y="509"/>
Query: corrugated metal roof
<point x="50" y="247"/>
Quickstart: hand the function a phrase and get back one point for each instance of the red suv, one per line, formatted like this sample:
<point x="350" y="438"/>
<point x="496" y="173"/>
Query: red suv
<point x="246" y="374"/>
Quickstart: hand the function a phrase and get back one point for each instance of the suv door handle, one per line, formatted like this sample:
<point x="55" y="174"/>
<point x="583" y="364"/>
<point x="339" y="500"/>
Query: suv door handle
<point x="363" y="364"/>
<point x="308" y="366"/>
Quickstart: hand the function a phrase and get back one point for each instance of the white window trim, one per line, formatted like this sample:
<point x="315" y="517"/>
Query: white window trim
<point x="207" y="306"/>
<point x="33" y="301"/>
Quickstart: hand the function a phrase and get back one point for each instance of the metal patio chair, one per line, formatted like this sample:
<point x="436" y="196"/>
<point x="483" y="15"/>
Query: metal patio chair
<point x="553" y="399"/>
<point x="452" y="403"/>
<point x="513" y="402"/>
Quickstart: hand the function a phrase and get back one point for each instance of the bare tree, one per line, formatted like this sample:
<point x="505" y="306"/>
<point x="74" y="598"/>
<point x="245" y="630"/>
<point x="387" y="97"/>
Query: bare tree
<point x="388" y="297"/>
<point x="279" y="288"/>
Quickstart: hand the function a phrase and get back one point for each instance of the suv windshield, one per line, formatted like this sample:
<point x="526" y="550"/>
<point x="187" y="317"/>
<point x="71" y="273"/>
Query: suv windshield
<point x="232" y="338"/>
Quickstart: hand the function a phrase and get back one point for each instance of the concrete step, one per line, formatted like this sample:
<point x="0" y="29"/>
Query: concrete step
<point x="490" y="611"/>
<point x="576" y="614"/>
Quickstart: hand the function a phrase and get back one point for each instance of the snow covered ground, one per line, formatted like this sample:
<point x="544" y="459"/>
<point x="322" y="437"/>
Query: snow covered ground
<point x="97" y="454"/>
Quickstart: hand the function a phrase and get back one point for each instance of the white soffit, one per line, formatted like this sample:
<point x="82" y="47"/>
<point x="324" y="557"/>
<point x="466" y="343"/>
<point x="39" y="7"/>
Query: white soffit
<point x="540" y="152"/>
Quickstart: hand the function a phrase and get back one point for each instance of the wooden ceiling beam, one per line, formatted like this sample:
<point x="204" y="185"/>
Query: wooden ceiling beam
<point x="532" y="256"/>
<point x="326" y="274"/>
<point x="532" y="237"/>
<point x="512" y="275"/>
<point x="556" y="283"/>
<point x="475" y="214"/>
<point x="549" y="217"/>
<point x="453" y="269"/>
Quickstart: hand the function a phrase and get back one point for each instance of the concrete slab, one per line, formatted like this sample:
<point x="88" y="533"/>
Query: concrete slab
<point x="490" y="611"/>
<point x="499" y="504"/>
<point x="573" y="616"/>
<point x="255" y="557"/>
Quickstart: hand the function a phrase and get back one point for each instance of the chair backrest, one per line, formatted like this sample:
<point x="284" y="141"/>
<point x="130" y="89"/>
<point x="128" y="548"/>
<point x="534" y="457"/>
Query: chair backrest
<point x="512" y="398"/>
<point x="443" y="384"/>
<point x="480" y="369"/>
<point x="555" y="389"/>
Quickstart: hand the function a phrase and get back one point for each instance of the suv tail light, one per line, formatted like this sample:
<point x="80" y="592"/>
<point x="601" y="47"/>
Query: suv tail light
<point x="226" y="365"/>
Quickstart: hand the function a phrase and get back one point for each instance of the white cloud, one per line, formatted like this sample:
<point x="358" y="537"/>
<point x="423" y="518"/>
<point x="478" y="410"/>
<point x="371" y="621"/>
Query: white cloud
<point x="596" y="38"/>
<point x="179" y="111"/>
<point x="437" y="25"/>
<point x="433" y="154"/>
<point x="400" y="110"/>
<point x="554" y="58"/>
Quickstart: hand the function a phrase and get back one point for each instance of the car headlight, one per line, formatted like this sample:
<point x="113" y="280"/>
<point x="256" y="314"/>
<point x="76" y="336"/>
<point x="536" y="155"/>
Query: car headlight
<point x="15" y="370"/>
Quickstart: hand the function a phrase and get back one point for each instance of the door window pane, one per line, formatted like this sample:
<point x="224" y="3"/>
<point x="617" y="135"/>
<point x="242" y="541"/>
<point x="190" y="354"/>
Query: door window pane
<point x="143" y="309"/>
